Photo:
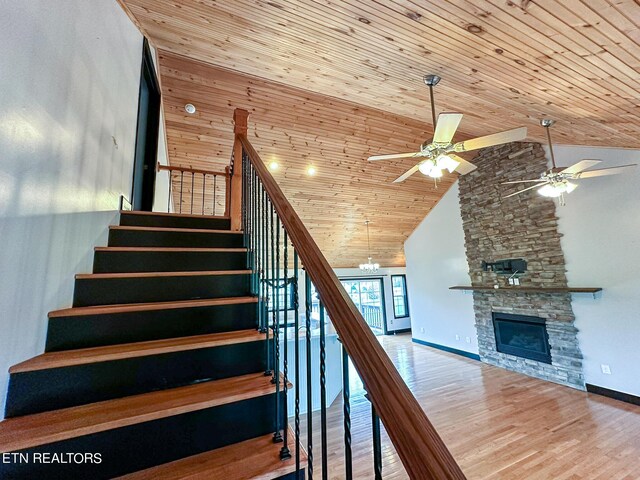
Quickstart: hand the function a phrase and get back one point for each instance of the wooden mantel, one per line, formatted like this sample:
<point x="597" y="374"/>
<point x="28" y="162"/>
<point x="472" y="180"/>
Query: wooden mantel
<point x="592" y="290"/>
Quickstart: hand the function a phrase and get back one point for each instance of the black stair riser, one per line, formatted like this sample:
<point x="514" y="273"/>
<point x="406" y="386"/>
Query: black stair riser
<point x="50" y="389"/>
<point x="85" y="331"/>
<point x="174" y="221"/>
<point x="145" y="238"/>
<point x="136" y="447"/>
<point x="166" y="261"/>
<point x="109" y="291"/>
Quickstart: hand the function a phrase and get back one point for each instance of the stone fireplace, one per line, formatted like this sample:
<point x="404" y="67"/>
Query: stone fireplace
<point x="524" y="226"/>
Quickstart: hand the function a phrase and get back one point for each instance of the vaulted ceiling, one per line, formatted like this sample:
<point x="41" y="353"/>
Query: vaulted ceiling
<point x="504" y="63"/>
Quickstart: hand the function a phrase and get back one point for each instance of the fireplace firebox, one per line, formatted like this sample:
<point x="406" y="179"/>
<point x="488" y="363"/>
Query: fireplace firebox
<point x="522" y="336"/>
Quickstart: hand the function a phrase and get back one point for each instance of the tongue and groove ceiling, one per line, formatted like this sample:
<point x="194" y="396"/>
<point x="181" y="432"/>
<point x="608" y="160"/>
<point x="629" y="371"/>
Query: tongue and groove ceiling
<point x="331" y="82"/>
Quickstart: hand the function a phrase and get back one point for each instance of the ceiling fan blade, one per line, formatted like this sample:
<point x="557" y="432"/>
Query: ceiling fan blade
<point x="525" y="189"/>
<point x="446" y="127"/>
<point x="605" y="171"/>
<point x="393" y="156"/>
<point x="580" y="166"/>
<point x="407" y="174"/>
<point x="490" y="140"/>
<point x="464" y="167"/>
<point x="525" y="181"/>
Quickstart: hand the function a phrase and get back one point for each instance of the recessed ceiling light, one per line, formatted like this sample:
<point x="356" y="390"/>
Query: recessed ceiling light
<point x="190" y="108"/>
<point x="311" y="170"/>
<point x="273" y="166"/>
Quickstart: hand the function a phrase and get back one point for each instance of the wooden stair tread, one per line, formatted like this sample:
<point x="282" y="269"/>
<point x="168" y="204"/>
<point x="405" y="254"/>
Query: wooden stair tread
<point x="174" y="229"/>
<point x="165" y="214"/>
<point x="172" y="249"/>
<point x="254" y="459"/>
<point x="84" y="356"/>
<point x="190" y="273"/>
<point x="42" y="428"/>
<point x="138" y="307"/>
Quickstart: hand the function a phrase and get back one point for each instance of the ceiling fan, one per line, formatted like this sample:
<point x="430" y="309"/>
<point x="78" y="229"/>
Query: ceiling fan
<point x="555" y="181"/>
<point x="440" y="153"/>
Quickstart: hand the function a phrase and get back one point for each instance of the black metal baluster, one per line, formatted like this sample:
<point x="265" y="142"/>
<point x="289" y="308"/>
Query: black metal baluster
<point x="204" y="189"/>
<point x="181" y="186"/>
<point x="285" y="454"/>
<point x="323" y="395"/>
<point x="243" y="206"/>
<point x="254" y="229"/>
<point x="277" y="436"/>
<point x="307" y="290"/>
<point x="169" y="199"/>
<point x="263" y="265"/>
<point x="346" y="409"/>
<point x="266" y="282"/>
<point x="193" y="182"/>
<point x="213" y="202"/>
<point x="377" y="445"/>
<point x="296" y="321"/>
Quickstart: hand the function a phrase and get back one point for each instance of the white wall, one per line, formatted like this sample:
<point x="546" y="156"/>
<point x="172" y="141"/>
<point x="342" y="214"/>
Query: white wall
<point x="436" y="260"/>
<point x="393" y="324"/>
<point x="601" y="227"/>
<point x="68" y="107"/>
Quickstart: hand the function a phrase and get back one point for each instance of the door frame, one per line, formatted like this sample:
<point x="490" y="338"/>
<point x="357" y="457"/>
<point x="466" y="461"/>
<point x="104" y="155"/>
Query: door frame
<point x="146" y="146"/>
<point x="382" y="299"/>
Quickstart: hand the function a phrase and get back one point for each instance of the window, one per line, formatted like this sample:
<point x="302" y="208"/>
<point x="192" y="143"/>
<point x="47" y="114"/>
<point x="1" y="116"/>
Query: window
<point x="280" y="292"/>
<point x="400" y="302"/>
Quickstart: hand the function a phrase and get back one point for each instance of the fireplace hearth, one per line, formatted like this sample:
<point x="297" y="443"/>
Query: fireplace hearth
<point x="523" y="336"/>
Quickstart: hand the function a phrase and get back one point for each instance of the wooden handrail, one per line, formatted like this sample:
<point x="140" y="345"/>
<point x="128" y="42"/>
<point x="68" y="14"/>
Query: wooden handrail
<point x="173" y="168"/>
<point x="422" y="451"/>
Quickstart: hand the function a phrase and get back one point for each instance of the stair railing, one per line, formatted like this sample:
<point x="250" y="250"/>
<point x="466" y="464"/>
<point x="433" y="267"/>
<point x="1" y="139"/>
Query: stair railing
<point x="277" y="240"/>
<point x="196" y="191"/>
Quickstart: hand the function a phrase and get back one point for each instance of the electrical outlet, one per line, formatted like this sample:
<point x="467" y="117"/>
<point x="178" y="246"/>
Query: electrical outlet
<point x="421" y="329"/>
<point x="457" y="337"/>
<point x="468" y="340"/>
<point x="606" y="369"/>
<point x="512" y="281"/>
<point x="516" y="281"/>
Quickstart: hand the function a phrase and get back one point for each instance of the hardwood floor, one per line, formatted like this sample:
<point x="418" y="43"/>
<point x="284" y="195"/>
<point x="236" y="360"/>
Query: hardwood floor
<point x="498" y="424"/>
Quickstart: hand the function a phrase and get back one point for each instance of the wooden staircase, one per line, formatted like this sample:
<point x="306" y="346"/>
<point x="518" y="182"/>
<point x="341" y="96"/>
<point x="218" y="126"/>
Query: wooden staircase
<point x="158" y="367"/>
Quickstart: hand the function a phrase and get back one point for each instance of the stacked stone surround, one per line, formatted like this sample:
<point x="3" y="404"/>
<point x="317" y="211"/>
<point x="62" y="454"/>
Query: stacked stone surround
<point x="526" y="227"/>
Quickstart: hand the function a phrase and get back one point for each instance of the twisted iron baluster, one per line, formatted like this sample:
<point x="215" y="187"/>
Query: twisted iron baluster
<point x="323" y="395"/>
<point x="285" y="454"/>
<point x="296" y="305"/>
<point x="277" y="436"/>
<point x="307" y="284"/>
<point x="377" y="445"/>
<point x="346" y="408"/>
<point x="267" y="273"/>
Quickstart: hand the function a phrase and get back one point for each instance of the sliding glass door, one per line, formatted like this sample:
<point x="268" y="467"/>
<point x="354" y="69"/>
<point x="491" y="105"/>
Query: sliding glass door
<point x="368" y="296"/>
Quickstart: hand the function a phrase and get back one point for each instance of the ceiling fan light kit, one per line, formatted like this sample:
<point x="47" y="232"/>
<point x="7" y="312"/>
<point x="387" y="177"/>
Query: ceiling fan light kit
<point x="440" y="153"/>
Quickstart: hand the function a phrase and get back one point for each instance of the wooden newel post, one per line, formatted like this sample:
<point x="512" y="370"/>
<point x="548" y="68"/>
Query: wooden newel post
<point x="235" y="210"/>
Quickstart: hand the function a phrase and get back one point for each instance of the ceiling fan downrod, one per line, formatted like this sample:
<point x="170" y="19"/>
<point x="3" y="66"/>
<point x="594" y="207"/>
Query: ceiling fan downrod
<point x="431" y="81"/>
<point x="547" y="123"/>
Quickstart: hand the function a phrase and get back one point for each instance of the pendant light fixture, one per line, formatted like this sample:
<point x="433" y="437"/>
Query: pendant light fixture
<point x="369" y="267"/>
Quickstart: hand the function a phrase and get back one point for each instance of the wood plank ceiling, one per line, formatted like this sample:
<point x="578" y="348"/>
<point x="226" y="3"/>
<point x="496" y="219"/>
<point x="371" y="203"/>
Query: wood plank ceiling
<point x="504" y="63"/>
<point x="297" y="129"/>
